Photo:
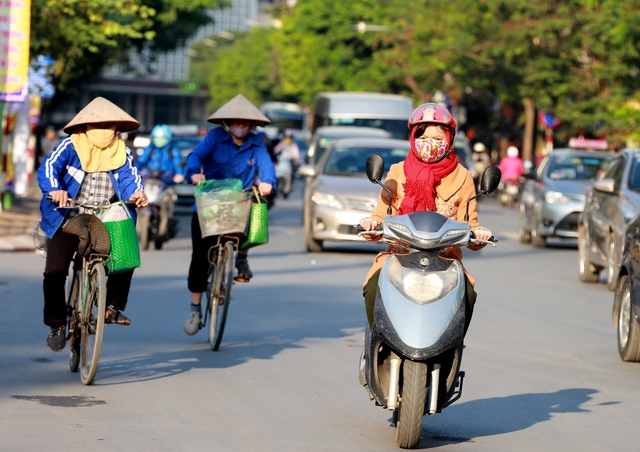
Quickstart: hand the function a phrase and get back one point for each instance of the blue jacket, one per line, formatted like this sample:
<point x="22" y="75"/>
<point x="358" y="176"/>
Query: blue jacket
<point x="220" y="158"/>
<point x="61" y="170"/>
<point x="166" y="159"/>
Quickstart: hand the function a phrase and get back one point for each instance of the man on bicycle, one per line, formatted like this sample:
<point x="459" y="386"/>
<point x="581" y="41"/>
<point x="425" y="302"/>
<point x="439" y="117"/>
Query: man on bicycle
<point x="91" y="165"/>
<point x="229" y="151"/>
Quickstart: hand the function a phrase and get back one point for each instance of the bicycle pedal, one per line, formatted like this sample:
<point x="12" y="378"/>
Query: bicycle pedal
<point x="237" y="278"/>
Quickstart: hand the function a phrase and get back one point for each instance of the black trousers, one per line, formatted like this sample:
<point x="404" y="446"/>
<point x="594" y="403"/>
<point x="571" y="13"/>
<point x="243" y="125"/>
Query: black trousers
<point x="60" y="250"/>
<point x="370" y="288"/>
<point x="199" y="267"/>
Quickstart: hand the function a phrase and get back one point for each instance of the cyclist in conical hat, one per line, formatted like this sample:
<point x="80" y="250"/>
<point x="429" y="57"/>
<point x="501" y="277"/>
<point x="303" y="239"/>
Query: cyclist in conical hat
<point x="229" y="151"/>
<point x="91" y="164"/>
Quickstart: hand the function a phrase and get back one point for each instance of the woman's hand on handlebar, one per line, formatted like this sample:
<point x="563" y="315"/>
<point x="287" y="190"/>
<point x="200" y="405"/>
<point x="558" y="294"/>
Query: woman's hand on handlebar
<point x="140" y="199"/>
<point x="483" y="233"/>
<point x="368" y="224"/>
<point x="59" y="197"/>
<point x="264" y="189"/>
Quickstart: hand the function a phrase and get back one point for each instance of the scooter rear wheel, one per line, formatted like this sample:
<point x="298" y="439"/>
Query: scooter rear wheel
<point x="411" y="407"/>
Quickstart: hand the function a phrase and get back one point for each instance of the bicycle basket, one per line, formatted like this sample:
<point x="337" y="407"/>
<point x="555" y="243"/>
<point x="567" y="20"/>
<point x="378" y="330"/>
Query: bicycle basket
<point x="223" y="212"/>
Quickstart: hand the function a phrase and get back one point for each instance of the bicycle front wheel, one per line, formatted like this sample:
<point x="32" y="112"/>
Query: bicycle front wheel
<point x="221" y="296"/>
<point x="92" y="322"/>
<point x="73" y="320"/>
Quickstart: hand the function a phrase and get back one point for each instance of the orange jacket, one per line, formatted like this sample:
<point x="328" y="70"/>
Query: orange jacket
<point x="452" y="194"/>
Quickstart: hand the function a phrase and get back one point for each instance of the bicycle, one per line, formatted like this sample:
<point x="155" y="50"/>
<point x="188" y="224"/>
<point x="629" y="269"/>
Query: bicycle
<point x="229" y="226"/>
<point x="86" y="304"/>
<point x="219" y="286"/>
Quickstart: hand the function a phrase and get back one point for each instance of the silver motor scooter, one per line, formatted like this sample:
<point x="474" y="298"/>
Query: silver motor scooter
<point x="412" y="354"/>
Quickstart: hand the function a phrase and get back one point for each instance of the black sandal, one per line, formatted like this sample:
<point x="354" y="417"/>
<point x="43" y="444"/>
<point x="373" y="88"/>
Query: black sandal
<point x="117" y="317"/>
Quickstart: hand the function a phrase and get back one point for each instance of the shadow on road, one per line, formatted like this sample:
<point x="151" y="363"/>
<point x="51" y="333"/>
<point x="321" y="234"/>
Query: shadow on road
<point x="500" y="415"/>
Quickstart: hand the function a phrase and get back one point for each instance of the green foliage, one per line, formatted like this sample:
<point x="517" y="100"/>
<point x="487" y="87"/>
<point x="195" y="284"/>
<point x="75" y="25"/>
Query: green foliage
<point x="575" y="58"/>
<point x="84" y="36"/>
<point x="247" y="65"/>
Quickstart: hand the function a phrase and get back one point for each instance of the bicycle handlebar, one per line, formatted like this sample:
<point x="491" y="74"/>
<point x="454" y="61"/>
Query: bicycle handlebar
<point x="74" y="204"/>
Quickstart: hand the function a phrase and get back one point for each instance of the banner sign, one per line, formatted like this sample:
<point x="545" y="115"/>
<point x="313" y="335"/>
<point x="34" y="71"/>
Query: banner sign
<point x="587" y="143"/>
<point x="15" y="24"/>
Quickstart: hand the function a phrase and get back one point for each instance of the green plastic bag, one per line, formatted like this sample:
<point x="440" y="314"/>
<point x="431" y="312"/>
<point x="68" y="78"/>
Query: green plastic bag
<point x="222" y="185"/>
<point x="258" y="226"/>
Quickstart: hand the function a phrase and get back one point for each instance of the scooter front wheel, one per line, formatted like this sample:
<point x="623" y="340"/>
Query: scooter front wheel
<point x="411" y="407"/>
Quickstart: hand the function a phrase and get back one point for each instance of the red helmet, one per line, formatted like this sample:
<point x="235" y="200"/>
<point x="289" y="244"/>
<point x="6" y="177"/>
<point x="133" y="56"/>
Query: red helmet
<point x="432" y="113"/>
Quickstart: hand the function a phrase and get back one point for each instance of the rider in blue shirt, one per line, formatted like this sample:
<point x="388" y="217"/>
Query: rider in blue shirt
<point x="161" y="156"/>
<point x="229" y="151"/>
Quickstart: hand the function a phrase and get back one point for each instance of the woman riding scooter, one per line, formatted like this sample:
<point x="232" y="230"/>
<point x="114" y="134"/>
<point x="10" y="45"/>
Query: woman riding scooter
<point x="418" y="297"/>
<point x="430" y="178"/>
<point x="160" y="166"/>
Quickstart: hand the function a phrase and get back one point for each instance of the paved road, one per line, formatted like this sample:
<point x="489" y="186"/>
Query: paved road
<point x="543" y="372"/>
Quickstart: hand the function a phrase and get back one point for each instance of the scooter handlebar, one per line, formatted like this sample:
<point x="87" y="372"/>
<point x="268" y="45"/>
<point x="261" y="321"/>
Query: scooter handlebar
<point x="492" y="240"/>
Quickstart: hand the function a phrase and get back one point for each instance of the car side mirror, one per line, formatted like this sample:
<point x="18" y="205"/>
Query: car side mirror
<point x="375" y="168"/>
<point x="306" y="171"/>
<point x="490" y="180"/>
<point x="605" y="185"/>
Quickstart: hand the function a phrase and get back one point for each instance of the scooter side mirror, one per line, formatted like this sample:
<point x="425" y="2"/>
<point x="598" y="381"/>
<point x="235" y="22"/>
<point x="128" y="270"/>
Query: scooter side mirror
<point x="488" y="184"/>
<point x="490" y="180"/>
<point x="375" y="168"/>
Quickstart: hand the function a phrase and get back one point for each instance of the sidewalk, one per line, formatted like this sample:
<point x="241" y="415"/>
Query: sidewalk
<point x="18" y="223"/>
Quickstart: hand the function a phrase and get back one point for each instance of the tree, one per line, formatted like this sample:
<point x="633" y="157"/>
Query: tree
<point x="578" y="59"/>
<point x="85" y="36"/>
<point x="248" y="65"/>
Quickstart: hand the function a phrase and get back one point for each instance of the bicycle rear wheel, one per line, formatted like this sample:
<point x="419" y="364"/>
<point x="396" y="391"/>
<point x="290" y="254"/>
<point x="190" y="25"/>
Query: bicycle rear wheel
<point x="92" y="322"/>
<point x="221" y="295"/>
<point x="73" y="320"/>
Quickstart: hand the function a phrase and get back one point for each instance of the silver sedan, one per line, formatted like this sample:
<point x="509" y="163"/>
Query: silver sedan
<point x="339" y="193"/>
<point x="553" y="195"/>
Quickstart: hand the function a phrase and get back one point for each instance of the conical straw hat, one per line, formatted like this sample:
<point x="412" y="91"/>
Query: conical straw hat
<point x="239" y="108"/>
<point x="102" y="110"/>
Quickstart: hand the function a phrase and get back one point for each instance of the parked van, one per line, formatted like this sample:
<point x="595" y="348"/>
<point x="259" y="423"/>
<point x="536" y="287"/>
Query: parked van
<point x="383" y="111"/>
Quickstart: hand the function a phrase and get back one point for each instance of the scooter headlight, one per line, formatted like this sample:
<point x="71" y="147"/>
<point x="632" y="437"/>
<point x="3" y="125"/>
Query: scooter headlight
<point x="422" y="287"/>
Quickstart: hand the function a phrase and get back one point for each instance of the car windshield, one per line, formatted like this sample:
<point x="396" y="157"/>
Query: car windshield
<point x="186" y="144"/>
<point x="634" y="174"/>
<point x="576" y="167"/>
<point x="397" y="127"/>
<point x="351" y="161"/>
<point x="321" y="146"/>
<point x="461" y="150"/>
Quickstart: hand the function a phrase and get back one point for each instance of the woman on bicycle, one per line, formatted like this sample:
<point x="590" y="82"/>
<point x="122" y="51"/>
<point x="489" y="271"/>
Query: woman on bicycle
<point x="91" y="165"/>
<point x="230" y="151"/>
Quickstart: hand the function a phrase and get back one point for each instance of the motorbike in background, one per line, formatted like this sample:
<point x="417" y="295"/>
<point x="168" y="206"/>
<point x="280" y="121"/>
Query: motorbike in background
<point x="412" y="354"/>
<point x="156" y="222"/>
<point x="509" y="192"/>
<point x="284" y="176"/>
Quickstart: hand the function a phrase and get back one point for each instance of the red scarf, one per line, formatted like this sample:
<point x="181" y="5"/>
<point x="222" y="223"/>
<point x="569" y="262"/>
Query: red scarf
<point x="422" y="178"/>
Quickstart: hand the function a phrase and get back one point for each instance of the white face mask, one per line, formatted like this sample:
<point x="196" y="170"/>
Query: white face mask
<point x="101" y="138"/>
<point x="239" y="132"/>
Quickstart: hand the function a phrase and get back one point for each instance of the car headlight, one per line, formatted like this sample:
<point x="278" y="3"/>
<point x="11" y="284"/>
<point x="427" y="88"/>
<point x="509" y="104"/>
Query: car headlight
<point x="327" y="200"/>
<point x="555" y="197"/>
<point x="421" y="287"/>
